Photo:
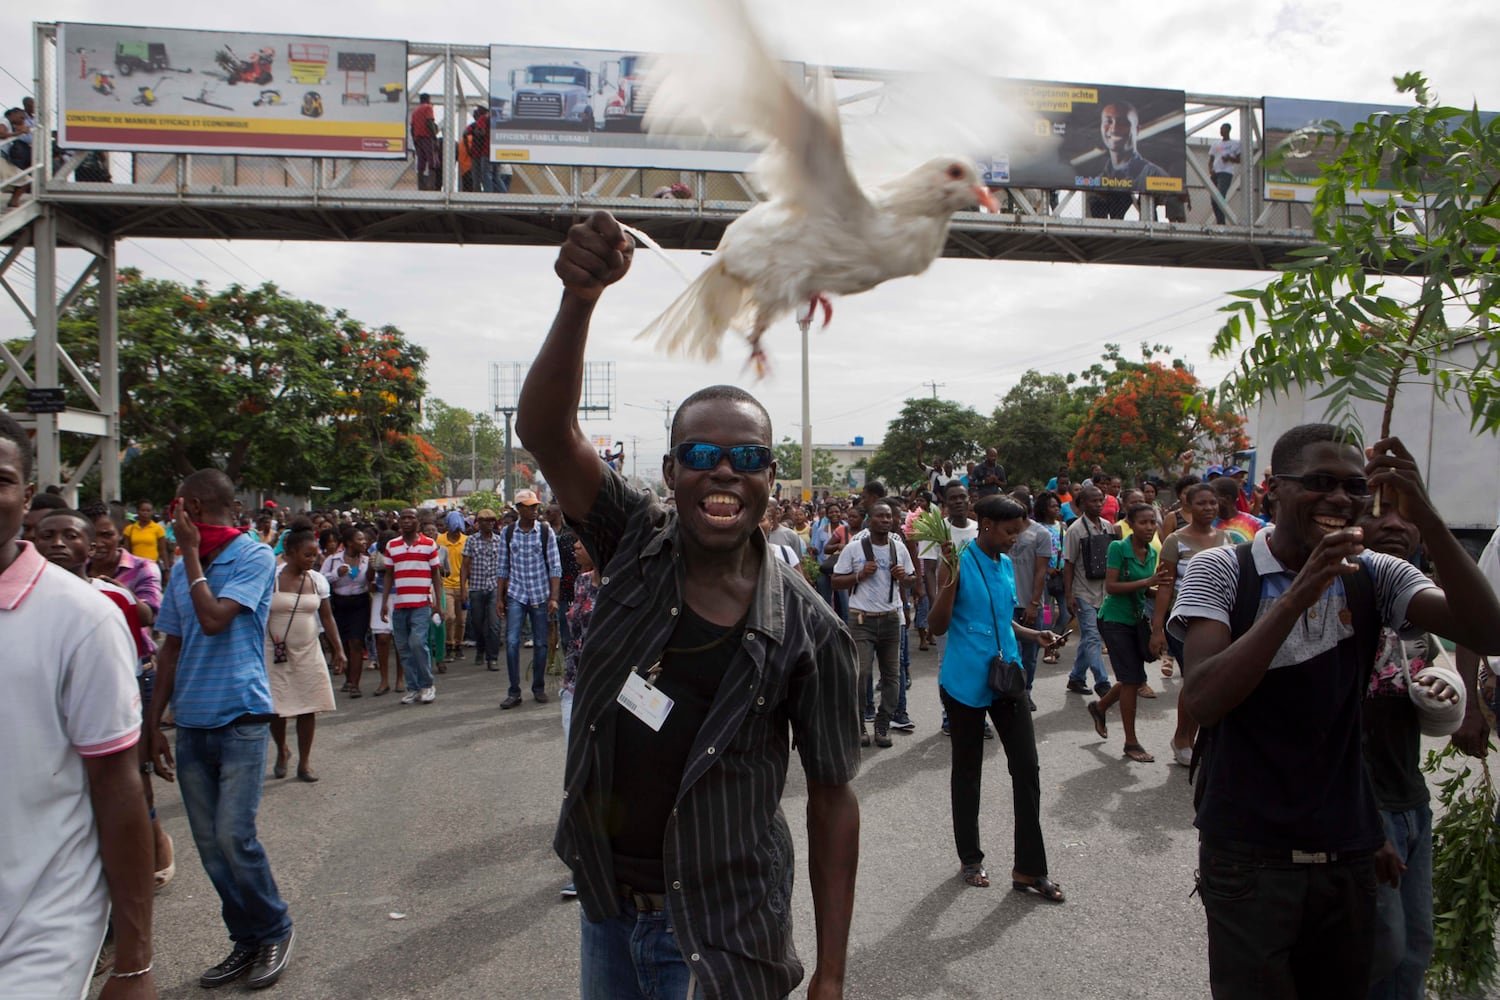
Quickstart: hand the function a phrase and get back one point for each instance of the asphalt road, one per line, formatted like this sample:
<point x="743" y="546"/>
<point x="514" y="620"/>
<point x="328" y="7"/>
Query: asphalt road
<point x="443" y="814"/>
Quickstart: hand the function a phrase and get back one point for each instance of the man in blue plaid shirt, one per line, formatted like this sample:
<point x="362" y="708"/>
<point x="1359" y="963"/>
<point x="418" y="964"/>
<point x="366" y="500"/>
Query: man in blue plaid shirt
<point x="528" y="580"/>
<point x="480" y="575"/>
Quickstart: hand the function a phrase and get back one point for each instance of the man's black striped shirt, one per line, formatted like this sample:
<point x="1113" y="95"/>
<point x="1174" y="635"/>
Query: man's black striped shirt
<point x="727" y="852"/>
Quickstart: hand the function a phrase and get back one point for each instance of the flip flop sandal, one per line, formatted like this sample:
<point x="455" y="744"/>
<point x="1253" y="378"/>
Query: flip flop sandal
<point x="1166" y="668"/>
<point x="1100" y="726"/>
<point x="1044" y="887"/>
<point x="355" y="693"/>
<point x="1138" y="753"/>
<point x="975" y="875"/>
<point x="382" y="690"/>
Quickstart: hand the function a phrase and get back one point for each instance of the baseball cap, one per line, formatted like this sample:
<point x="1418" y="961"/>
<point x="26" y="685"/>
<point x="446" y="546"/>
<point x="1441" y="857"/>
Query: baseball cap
<point x="1214" y="470"/>
<point x="1233" y="470"/>
<point x="526" y="498"/>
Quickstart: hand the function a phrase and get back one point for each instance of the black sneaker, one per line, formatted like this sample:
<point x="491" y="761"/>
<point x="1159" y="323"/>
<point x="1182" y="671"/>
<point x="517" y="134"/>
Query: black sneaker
<point x="270" y="962"/>
<point x="569" y="891"/>
<point x="903" y="722"/>
<point x="230" y="969"/>
<point x="1077" y="687"/>
<point x="989" y="733"/>
<point x="946" y="730"/>
<point x="1030" y="702"/>
<point x="882" y="735"/>
<point x="511" y="702"/>
<point x="869" y="715"/>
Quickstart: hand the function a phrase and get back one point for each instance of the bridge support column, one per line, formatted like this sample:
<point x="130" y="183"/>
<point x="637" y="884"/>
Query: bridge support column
<point x="91" y="403"/>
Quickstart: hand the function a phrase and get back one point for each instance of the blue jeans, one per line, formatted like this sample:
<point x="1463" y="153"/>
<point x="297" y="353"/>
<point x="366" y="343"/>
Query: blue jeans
<point x="1028" y="651"/>
<point x="1403" y="916"/>
<point x="632" y="956"/>
<point x="838" y="600"/>
<point x="485" y="621"/>
<point x="220" y="773"/>
<point x="919" y="618"/>
<point x="409" y="633"/>
<point x="515" y="614"/>
<point x="1090" y="646"/>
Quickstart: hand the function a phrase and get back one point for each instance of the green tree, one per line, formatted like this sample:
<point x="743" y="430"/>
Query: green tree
<point x="945" y="430"/>
<point x="456" y="433"/>
<point x="789" y="463"/>
<point x="1328" y="318"/>
<point x="276" y="391"/>
<point x="1034" y="424"/>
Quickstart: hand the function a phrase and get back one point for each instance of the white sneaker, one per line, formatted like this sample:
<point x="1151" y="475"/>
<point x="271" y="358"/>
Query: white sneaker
<point x="411" y="697"/>
<point x="429" y="695"/>
<point x="528" y="644"/>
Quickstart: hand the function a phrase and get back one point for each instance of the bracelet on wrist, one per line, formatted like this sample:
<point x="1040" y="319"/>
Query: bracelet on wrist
<point x="130" y="975"/>
<point x="201" y="579"/>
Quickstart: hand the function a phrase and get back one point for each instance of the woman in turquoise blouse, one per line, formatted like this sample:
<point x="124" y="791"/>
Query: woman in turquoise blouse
<point x="976" y="610"/>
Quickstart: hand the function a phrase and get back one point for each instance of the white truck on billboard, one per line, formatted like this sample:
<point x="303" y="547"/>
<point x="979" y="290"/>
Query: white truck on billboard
<point x="1459" y="465"/>
<point x="551" y="93"/>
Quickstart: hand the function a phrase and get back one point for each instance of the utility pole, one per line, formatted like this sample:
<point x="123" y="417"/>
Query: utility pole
<point x="935" y="386"/>
<point x="473" y="452"/>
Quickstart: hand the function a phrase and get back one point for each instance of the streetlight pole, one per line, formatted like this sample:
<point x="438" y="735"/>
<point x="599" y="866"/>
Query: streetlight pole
<point x="804" y="321"/>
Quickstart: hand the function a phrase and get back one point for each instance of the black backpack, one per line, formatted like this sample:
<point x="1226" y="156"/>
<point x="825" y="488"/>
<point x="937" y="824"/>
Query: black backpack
<point x="510" y="530"/>
<point x="1359" y="592"/>
<point x="1094" y="551"/>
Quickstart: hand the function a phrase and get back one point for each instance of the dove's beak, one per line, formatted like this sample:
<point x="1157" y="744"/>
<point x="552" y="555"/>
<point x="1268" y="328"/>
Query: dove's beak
<point x="986" y="199"/>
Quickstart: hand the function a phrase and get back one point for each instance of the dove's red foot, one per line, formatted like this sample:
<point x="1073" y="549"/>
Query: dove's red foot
<point x="759" y="361"/>
<point x="819" y="299"/>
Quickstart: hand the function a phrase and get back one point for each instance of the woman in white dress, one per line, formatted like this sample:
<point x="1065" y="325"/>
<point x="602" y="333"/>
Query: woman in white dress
<point x="300" y="687"/>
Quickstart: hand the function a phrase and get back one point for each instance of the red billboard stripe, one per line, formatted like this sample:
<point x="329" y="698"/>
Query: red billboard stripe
<point x="177" y="141"/>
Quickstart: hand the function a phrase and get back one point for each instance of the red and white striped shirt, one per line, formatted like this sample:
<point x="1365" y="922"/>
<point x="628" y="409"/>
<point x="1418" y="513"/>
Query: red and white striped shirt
<point x="412" y="565"/>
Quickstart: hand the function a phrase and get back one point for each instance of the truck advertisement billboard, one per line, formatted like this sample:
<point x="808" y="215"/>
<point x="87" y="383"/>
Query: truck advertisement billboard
<point x="168" y="90"/>
<point x="587" y="107"/>
<point x="1299" y="140"/>
<point x="1092" y="137"/>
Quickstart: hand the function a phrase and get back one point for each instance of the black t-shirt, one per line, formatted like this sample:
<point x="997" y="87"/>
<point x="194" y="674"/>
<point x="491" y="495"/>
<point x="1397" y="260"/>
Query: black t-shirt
<point x="1392" y="730"/>
<point x="983" y="471"/>
<point x="649" y="765"/>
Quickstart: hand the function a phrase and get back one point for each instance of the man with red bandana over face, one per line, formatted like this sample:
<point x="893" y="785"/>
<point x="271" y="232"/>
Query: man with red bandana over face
<point x="706" y="661"/>
<point x="1280" y="637"/>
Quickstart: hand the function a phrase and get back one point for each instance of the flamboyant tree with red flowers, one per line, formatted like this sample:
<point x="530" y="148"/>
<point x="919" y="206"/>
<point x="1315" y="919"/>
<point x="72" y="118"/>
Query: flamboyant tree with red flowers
<point x="1148" y="413"/>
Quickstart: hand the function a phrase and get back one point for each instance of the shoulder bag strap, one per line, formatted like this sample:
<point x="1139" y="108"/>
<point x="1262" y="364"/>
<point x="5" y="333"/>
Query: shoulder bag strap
<point x="988" y="593"/>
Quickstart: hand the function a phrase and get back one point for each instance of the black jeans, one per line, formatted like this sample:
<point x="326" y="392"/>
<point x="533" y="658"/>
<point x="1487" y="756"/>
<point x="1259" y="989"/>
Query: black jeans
<point x="1284" y="931"/>
<point x="1013" y="724"/>
<point x="878" y="638"/>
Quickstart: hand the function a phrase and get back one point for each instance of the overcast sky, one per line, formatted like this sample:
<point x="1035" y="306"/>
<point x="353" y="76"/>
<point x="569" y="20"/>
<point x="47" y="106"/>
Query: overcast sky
<point x="973" y="327"/>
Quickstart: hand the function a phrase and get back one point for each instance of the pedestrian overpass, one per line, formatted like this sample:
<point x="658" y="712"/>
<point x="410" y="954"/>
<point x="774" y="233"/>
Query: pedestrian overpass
<point x="198" y="196"/>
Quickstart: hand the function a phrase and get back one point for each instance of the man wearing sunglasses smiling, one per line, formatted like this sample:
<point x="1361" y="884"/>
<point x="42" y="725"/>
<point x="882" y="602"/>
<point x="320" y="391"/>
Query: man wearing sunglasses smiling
<point x="1280" y="636"/>
<point x="671" y="817"/>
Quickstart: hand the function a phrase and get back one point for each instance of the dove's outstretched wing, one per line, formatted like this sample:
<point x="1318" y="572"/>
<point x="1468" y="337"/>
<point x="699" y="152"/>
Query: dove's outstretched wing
<point x="736" y="87"/>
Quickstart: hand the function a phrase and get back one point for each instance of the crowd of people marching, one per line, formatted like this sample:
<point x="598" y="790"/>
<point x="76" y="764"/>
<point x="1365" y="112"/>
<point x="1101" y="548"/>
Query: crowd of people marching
<point x="1301" y="611"/>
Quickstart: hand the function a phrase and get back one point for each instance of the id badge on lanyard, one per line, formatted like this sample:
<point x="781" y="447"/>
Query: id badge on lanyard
<point x="645" y="701"/>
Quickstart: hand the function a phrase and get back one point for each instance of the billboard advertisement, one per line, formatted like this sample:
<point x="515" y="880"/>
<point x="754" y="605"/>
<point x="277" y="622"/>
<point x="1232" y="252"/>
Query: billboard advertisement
<point x="1092" y="137"/>
<point x="587" y="107"/>
<point x="1295" y="157"/>
<point x="169" y="90"/>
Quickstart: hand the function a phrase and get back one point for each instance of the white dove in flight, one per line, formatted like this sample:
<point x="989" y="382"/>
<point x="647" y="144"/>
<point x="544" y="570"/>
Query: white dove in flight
<point x="818" y="233"/>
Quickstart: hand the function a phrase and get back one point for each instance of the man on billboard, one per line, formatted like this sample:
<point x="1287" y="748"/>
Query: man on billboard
<point x="1127" y="169"/>
<point x="1118" y="124"/>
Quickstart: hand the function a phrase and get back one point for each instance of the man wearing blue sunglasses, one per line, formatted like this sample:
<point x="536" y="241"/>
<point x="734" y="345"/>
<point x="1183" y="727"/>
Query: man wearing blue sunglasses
<point x="706" y="661"/>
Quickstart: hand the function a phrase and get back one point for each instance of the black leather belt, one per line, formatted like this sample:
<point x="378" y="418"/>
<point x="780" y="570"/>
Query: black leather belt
<point x="1281" y="855"/>
<point x="644" y="902"/>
